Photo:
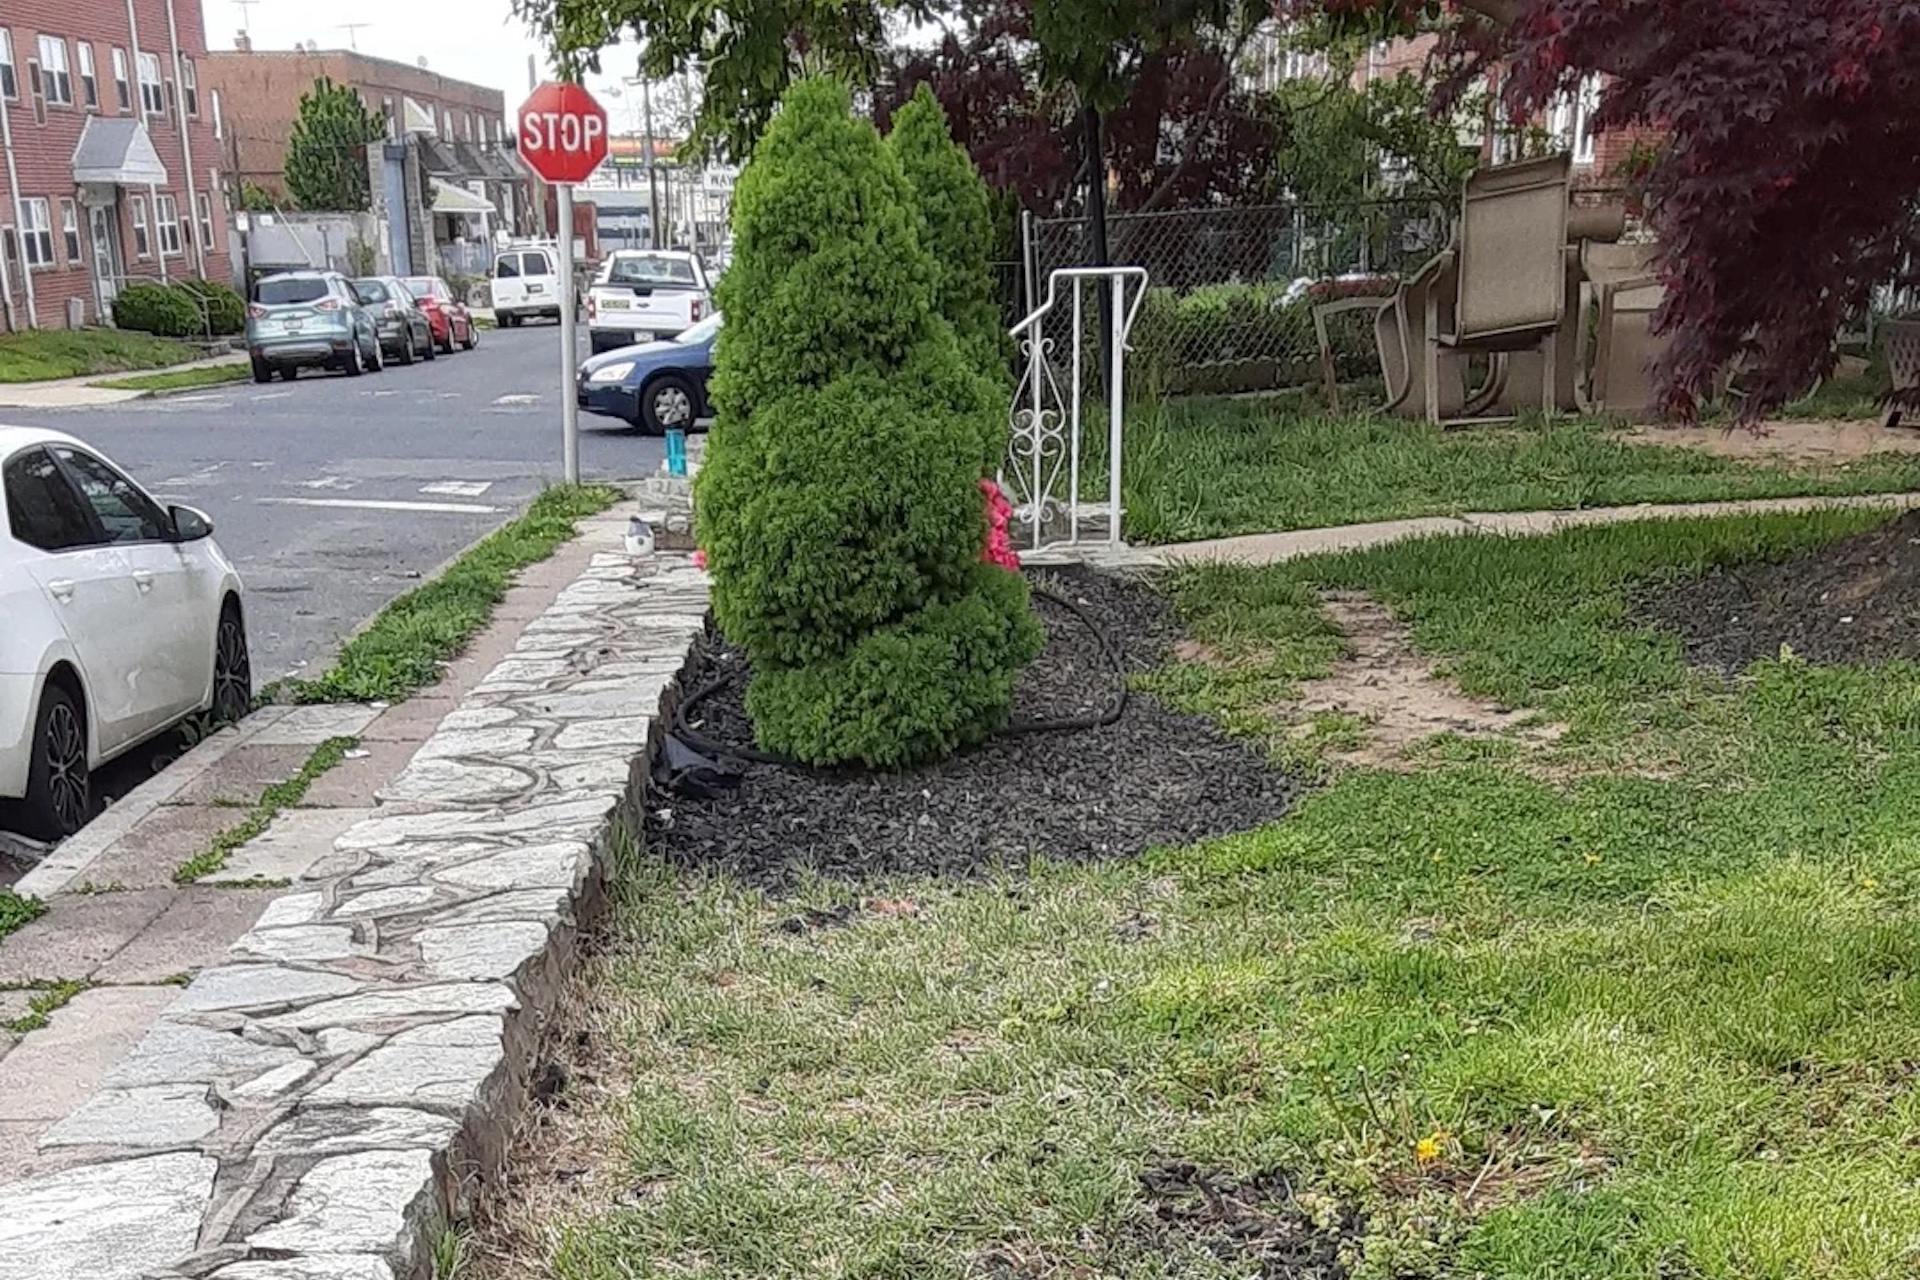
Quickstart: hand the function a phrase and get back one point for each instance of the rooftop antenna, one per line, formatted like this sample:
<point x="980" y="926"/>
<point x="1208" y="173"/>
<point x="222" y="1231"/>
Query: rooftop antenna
<point x="353" y="29"/>
<point x="246" y="14"/>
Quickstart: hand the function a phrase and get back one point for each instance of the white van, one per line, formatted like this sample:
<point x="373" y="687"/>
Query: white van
<point x="526" y="282"/>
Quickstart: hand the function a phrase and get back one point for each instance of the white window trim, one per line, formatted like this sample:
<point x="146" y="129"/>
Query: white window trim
<point x="204" y="212"/>
<point x="122" y="82"/>
<point x="70" y="230"/>
<point x="38" y="217"/>
<point x="166" y="221"/>
<point x="89" y="75"/>
<point x="190" y="87"/>
<point x="7" y="60"/>
<point x="138" y="206"/>
<point x="56" y="71"/>
<point x="158" y="107"/>
<point x="219" y="123"/>
<point x="1571" y="120"/>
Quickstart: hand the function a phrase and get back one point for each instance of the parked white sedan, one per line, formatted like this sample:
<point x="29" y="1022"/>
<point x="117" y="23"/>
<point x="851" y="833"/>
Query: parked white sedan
<point x="121" y="620"/>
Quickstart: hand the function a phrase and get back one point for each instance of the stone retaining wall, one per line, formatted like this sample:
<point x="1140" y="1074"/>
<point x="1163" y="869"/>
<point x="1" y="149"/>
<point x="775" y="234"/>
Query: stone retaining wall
<point x="320" y="1106"/>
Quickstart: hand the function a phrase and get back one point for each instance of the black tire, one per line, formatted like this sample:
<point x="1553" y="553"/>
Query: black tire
<point x="407" y="353"/>
<point x="289" y="373"/>
<point x="379" y="361"/>
<point x="681" y="404"/>
<point x="472" y="339"/>
<point x="232" y="668"/>
<point x="446" y="348"/>
<point x="431" y="352"/>
<point x="262" y="371"/>
<point x="351" y="364"/>
<point x="59" y="796"/>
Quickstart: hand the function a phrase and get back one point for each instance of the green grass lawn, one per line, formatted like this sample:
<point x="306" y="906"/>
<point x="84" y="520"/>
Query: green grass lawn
<point x="1649" y="1007"/>
<point x="39" y="354"/>
<point x="1201" y="468"/>
<point x="180" y="379"/>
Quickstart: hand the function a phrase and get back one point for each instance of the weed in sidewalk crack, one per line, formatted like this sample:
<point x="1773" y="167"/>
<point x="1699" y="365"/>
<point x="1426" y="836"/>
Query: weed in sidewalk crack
<point x="281" y="795"/>
<point x="50" y="997"/>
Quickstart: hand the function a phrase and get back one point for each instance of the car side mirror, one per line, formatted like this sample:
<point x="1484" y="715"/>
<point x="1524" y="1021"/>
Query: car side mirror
<point x="190" y="524"/>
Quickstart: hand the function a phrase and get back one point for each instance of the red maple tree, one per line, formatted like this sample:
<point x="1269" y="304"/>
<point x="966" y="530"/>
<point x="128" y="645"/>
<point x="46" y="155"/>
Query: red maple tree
<point x="1784" y="188"/>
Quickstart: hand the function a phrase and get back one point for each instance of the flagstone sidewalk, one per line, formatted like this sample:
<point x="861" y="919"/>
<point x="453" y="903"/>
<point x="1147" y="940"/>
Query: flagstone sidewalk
<point x="307" y="1081"/>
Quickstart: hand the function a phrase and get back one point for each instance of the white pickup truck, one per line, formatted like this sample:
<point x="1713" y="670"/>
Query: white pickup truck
<point x="644" y="295"/>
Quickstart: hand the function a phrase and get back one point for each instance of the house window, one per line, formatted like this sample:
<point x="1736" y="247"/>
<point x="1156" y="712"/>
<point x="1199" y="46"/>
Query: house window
<point x="152" y="97"/>
<point x="9" y="81"/>
<point x="203" y="204"/>
<point x="120" y="88"/>
<point x="56" y="79"/>
<point x="89" y="81"/>
<point x="142" y="245"/>
<point x="167" y="220"/>
<point x="1571" y="119"/>
<point x="37" y="220"/>
<point x="190" y="86"/>
<point x="219" y="125"/>
<point x="70" y="229"/>
<point x="393" y="120"/>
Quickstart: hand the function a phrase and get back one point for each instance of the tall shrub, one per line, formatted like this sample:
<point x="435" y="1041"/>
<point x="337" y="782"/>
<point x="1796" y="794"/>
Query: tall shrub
<point x="956" y="227"/>
<point x="839" y="505"/>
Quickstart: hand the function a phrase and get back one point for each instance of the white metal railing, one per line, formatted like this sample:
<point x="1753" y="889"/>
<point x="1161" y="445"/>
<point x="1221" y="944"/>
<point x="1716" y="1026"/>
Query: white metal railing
<point x="1045" y="441"/>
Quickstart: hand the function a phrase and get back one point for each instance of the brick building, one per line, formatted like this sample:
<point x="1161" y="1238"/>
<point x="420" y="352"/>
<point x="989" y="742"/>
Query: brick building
<point x="463" y="129"/>
<point x="112" y="165"/>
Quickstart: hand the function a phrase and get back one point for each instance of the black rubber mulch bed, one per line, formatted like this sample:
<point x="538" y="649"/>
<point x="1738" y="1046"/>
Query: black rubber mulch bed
<point x="1855" y="600"/>
<point x="1155" y="777"/>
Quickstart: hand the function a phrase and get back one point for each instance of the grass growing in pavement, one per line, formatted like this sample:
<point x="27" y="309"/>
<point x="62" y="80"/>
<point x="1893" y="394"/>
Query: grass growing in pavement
<point x="1204" y="468"/>
<point x="281" y="795"/>
<point x="1657" y="1015"/>
<point x="404" y="647"/>
<point x="48" y="999"/>
<point x="180" y="379"/>
<point x="17" y="912"/>
<point x="40" y="354"/>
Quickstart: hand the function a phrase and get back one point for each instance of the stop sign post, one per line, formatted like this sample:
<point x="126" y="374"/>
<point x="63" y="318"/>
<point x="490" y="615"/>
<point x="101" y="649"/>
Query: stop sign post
<point x="563" y="138"/>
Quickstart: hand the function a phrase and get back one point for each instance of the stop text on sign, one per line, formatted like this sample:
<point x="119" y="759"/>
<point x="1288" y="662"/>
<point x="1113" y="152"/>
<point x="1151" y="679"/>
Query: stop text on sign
<point x="561" y="131"/>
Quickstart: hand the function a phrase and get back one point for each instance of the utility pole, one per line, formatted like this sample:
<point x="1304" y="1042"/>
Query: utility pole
<point x="653" y="183"/>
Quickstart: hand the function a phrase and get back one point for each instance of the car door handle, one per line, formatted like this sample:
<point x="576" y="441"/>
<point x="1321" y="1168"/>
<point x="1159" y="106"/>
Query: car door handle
<point x="61" y="589"/>
<point x="143" y="580"/>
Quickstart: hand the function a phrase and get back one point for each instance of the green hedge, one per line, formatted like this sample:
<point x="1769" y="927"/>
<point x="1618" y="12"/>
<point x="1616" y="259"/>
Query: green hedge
<point x="187" y="309"/>
<point x="1242" y="337"/>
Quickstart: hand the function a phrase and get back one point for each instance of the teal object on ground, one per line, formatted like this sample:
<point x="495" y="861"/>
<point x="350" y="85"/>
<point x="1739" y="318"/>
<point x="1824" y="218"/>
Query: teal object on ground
<point x="676" y="451"/>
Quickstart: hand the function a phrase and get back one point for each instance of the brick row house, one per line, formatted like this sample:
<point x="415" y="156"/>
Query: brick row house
<point x="112" y="160"/>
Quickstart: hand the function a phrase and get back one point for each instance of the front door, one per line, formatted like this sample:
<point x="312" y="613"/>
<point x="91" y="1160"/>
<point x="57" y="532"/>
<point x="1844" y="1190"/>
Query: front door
<point x="106" y="255"/>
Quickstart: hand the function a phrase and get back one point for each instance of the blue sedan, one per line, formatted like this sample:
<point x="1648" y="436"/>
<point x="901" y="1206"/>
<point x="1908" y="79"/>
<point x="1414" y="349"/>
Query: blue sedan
<point x="655" y="385"/>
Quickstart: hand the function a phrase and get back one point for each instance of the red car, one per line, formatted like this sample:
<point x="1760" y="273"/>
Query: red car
<point x="447" y="317"/>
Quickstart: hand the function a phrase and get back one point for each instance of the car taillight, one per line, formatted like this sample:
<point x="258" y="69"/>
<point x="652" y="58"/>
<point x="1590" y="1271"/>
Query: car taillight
<point x="256" y="312"/>
<point x="327" y="304"/>
<point x="593" y="309"/>
<point x="696" y="309"/>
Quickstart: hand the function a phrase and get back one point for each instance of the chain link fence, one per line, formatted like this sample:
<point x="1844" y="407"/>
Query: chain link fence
<point x="1230" y="307"/>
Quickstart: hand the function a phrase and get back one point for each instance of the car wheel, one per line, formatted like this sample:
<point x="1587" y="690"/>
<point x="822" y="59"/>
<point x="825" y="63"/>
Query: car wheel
<point x="407" y="352"/>
<point x="232" y="668"/>
<point x="432" y="349"/>
<point x="667" y="402"/>
<point x="262" y="371"/>
<point x="378" y="360"/>
<point x="447" y="346"/>
<point x="472" y="339"/>
<point x="352" y="365"/>
<point x="59" y="791"/>
<point x="289" y="373"/>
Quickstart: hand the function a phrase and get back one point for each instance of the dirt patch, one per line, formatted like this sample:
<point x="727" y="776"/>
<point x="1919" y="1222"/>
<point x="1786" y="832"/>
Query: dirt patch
<point x="1255" y="1226"/>
<point x="1834" y="442"/>
<point x="1155" y="777"/>
<point x="1854" y="600"/>
<point x="1383" y="682"/>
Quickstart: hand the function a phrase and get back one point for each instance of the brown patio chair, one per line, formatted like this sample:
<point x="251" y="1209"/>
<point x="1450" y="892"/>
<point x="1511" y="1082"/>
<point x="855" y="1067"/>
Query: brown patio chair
<point x="1626" y="293"/>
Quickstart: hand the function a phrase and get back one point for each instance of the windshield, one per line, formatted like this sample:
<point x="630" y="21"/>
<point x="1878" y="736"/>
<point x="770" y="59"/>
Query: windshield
<point x="652" y="269"/>
<point x="421" y="286"/>
<point x="280" y="293"/>
<point x="369" y="291"/>
<point x="702" y="332"/>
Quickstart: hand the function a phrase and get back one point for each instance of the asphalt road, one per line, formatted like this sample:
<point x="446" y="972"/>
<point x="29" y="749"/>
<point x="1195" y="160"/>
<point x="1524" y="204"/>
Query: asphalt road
<point x="336" y="494"/>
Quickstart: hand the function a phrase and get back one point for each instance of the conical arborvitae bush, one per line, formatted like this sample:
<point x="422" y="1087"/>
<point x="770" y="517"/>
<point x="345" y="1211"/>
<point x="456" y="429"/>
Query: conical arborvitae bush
<point x="839" y="506"/>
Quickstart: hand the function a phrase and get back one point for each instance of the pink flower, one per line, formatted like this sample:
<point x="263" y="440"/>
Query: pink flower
<point x="699" y="558"/>
<point x="999" y="547"/>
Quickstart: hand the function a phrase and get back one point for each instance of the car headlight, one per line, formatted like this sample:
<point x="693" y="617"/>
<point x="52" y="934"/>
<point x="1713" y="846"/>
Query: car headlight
<point x="616" y="372"/>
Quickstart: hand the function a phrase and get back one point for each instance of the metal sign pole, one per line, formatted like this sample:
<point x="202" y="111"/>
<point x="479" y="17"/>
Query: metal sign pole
<point x="569" y="406"/>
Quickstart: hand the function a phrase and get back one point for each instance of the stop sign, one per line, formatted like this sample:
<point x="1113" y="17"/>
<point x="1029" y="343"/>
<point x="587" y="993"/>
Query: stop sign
<point x="563" y="132"/>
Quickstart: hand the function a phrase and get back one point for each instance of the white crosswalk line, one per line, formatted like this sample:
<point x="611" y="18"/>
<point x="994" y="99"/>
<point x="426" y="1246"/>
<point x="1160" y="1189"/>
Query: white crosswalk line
<point x="381" y="504"/>
<point x="458" y="488"/>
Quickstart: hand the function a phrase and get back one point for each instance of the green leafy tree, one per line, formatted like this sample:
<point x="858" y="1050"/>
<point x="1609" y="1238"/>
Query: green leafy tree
<point x="1346" y="144"/>
<point x="839" y="505"/>
<point x="955" y="225"/>
<point x="327" y="151"/>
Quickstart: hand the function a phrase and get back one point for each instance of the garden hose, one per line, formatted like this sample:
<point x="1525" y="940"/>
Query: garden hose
<point x="1069" y="724"/>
